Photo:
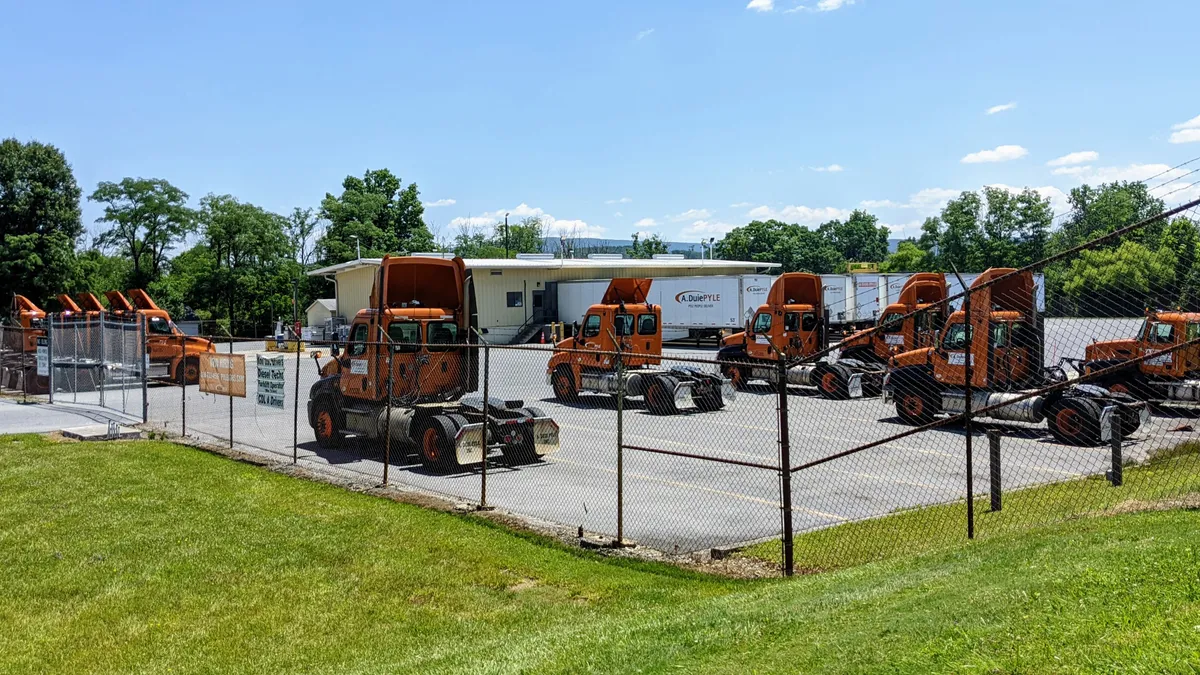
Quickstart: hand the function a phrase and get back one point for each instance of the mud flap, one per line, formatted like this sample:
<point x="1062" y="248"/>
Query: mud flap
<point x="1106" y="421"/>
<point x="468" y="444"/>
<point x="545" y="436"/>
<point x="728" y="391"/>
<point x="683" y="394"/>
<point x="854" y="386"/>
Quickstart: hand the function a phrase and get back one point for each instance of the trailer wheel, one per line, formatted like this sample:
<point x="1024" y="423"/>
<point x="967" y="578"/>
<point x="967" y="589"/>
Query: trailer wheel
<point x="521" y="450"/>
<point x="564" y="385"/>
<point x="326" y="426"/>
<point x="189" y="371"/>
<point x="915" y="407"/>
<point x="437" y="443"/>
<point x="833" y="383"/>
<point x="707" y="396"/>
<point x="660" y="397"/>
<point x="1076" y="421"/>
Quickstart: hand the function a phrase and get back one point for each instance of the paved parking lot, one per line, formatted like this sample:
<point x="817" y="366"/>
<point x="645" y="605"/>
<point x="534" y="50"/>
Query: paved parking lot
<point x="676" y="503"/>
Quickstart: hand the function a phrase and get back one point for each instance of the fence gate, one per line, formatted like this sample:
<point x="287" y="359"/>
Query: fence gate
<point x="98" y="361"/>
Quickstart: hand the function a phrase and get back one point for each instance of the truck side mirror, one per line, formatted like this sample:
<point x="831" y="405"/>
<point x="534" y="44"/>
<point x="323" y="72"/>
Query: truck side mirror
<point x="334" y="350"/>
<point x="575" y="330"/>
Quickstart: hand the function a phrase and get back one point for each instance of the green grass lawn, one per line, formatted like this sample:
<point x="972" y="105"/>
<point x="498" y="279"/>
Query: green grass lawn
<point x="1169" y="472"/>
<point x="152" y="557"/>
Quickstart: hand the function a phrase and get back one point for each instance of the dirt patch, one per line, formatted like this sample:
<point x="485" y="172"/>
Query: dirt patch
<point x="1190" y="501"/>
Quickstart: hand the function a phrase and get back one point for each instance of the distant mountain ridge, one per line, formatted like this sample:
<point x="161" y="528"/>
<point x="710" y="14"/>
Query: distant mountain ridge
<point x="595" y="245"/>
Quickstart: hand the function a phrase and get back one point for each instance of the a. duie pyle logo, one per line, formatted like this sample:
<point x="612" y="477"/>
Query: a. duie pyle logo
<point x="756" y="289"/>
<point x="696" y="297"/>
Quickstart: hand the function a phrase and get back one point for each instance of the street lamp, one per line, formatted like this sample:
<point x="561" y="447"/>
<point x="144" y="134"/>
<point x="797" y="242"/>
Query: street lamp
<point x="506" y="235"/>
<point x="710" y="247"/>
<point x="357" y="245"/>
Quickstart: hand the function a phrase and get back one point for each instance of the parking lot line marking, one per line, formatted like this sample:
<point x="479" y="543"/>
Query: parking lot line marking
<point x="663" y="440"/>
<point x="690" y="486"/>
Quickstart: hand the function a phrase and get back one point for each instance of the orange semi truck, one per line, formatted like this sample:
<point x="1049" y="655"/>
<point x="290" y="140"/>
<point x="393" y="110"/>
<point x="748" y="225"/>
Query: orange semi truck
<point x="624" y="316"/>
<point x="424" y="310"/>
<point x="172" y="354"/>
<point x="1173" y="376"/>
<point x="793" y="320"/>
<point x="922" y="291"/>
<point x="1004" y="340"/>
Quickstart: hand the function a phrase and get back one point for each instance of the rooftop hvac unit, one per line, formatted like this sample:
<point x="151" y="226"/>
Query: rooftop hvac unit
<point x="605" y="256"/>
<point x="667" y="256"/>
<point x="535" y="256"/>
<point x="443" y="256"/>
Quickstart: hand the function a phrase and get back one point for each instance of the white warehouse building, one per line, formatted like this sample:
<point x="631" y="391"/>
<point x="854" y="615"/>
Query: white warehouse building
<point x="515" y="297"/>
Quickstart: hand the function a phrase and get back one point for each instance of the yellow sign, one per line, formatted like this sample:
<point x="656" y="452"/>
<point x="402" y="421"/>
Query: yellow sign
<point x="223" y="374"/>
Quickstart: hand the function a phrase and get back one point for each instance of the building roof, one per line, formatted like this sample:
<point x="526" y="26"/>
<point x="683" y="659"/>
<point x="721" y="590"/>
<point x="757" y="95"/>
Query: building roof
<point x="328" y="303"/>
<point x="571" y="263"/>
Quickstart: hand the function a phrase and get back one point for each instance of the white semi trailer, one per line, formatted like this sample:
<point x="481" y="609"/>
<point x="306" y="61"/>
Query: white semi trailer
<point x="691" y="306"/>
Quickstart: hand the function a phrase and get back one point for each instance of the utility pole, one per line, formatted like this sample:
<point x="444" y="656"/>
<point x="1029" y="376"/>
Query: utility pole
<point x="357" y="245"/>
<point x="506" y="236"/>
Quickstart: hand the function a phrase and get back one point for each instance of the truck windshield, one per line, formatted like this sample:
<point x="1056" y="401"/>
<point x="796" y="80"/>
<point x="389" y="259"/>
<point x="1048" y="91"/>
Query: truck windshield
<point x="1157" y="331"/>
<point x="956" y="337"/>
<point x="622" y="325"/>
<point x="405" y="337"/>
<point x="762" y="323"/>
<point x="441" y="336"/>
<point x="591" y="326"/>
<point x="892" y="322"/>
<point x="647" y="324"/>
<point x="159" y="326"/>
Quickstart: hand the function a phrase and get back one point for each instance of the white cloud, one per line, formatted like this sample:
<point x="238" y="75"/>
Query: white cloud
<point x="440" y="202"/>
<point x="645" y="33"/>
<point x="1058" y="199"/>
<point x="761" y="5"/>
<point x="551" y="226"/>
<point x="618" y="214"/>
<point x="1003" y="153"/>
<point x="690" y="214"/>
<point x="1075" y="158"/>
<point x="798" y="214"/>
<point x="1072" y="170"/>
<point x="643" y="234"/>
<point x="646" y="222"/>
<point x="904" y="230"/>
<point x="622" y="200"/>
<point x="740" y="205"/>
<point x="830" y="5"/>
<point x="881" y="204"/>
<point x="832" y="168"/>
<point x="1186" y="136"/>
<point x="927" y="202"/>
<point x="1172" y="184"/>
<point x="705" y="229"/>
<point x="1001" y="108"/>
<point x="1187" y="132"/>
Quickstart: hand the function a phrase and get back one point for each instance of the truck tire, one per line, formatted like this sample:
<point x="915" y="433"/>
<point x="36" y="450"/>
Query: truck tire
<point x="189" y="371"/>
<point x="521" y="450"/>
<point x="915" y="407"/>
<point x="707" y="396"/>
<point x="833" y="381"/>
<point x="437" y="443"/>
<point x="736" y="376"/>
<point x="327" y="424"/>
<point x="660" y="396"/>
<point x="1075" y="421"/>
<point x="563" y="382"/>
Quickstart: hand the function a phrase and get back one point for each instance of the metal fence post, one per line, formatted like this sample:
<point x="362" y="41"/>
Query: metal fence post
<point x="182" y="367"/>
<point x="231" y="393"/>
<point x="1117" y="474"/>
<point x="487" y="422"/>
<point x="296" y="406"/>
<point x="387" y="432"/>
<point x="49" y="354"/>
<point x="785" y="469"/>
<point x="968" y="362"/>
<point x="145" y="368"/>
<point x="994" y="457"/>
<point x="620" y="446"/>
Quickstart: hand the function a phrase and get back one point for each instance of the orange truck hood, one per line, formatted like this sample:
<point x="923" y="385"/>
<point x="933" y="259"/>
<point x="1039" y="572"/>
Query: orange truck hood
<point x="914" y="357"/>
<point x="1112" y="349"/>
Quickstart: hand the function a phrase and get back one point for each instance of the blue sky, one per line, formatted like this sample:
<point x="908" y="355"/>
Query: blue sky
<point x="684" y="118"/>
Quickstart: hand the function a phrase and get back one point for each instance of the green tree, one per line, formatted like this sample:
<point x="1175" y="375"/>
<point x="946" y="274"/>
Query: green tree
<point x="147" y="217"/>
<point x="39" y="220"/>
<point x="386" y="218"/>
<point x="754" y="241"/>
<point x="960" y="235"/>
<point x="97" y="272"/>
<point x="1181" y="238"/>
<point x="647" y="248"/>
<point x="523" y="237"/>
<point x="859" y="239"/>
<point x="805" y="250"/>
<point x="909" y="257"/>
<point x="301" y="227"/>
<point x="1117" y="282"/>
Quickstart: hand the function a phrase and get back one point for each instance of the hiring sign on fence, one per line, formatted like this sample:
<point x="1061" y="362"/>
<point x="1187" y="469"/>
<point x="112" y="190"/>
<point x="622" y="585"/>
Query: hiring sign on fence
<point x="223" y="374"/>
<point x="270" y="381"/>
<point x="43" y="357"/>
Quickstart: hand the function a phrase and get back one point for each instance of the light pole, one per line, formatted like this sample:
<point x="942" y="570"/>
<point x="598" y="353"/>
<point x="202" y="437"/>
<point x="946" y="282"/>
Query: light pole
<point x="710" y="247"/>
<point x="506" y="235"/>
<point x="357" y="245"/>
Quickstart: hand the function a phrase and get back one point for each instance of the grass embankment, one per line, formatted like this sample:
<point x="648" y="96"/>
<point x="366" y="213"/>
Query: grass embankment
<point x="1169" y="472"/>
<point x="151" y="557"/>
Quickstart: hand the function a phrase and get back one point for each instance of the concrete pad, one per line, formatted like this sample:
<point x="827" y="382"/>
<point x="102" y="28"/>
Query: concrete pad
<point x="102" y="432"/>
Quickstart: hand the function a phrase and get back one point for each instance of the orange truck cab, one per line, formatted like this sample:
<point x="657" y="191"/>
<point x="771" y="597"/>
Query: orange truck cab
<point x="792" y="326"/>
<point x="413" y="355"/>
<point x="18" y="352"/>
<point x="1003" y="339"/>
<point x="1170" y="376"/>
<point x="29" y="316"/>
<point x="172" y="354"/>
<point x="625" y="322"/>
<point x="901" y="333"/>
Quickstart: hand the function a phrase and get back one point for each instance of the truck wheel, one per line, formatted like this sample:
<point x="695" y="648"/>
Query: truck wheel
<point x="1076" y="421"/>
<point x="707" y="396"/>
<point x="521" y="449"/>
<point x="736" y="375"/>
<point x="916" y="408"/>
<point x="190" y="371"/>
<point x="326" y="426"/>
<point x="833" y="383"/>
<point x="437" y="443"/>
<point x="660" y="397"/>
<point x="564" y="385"/>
